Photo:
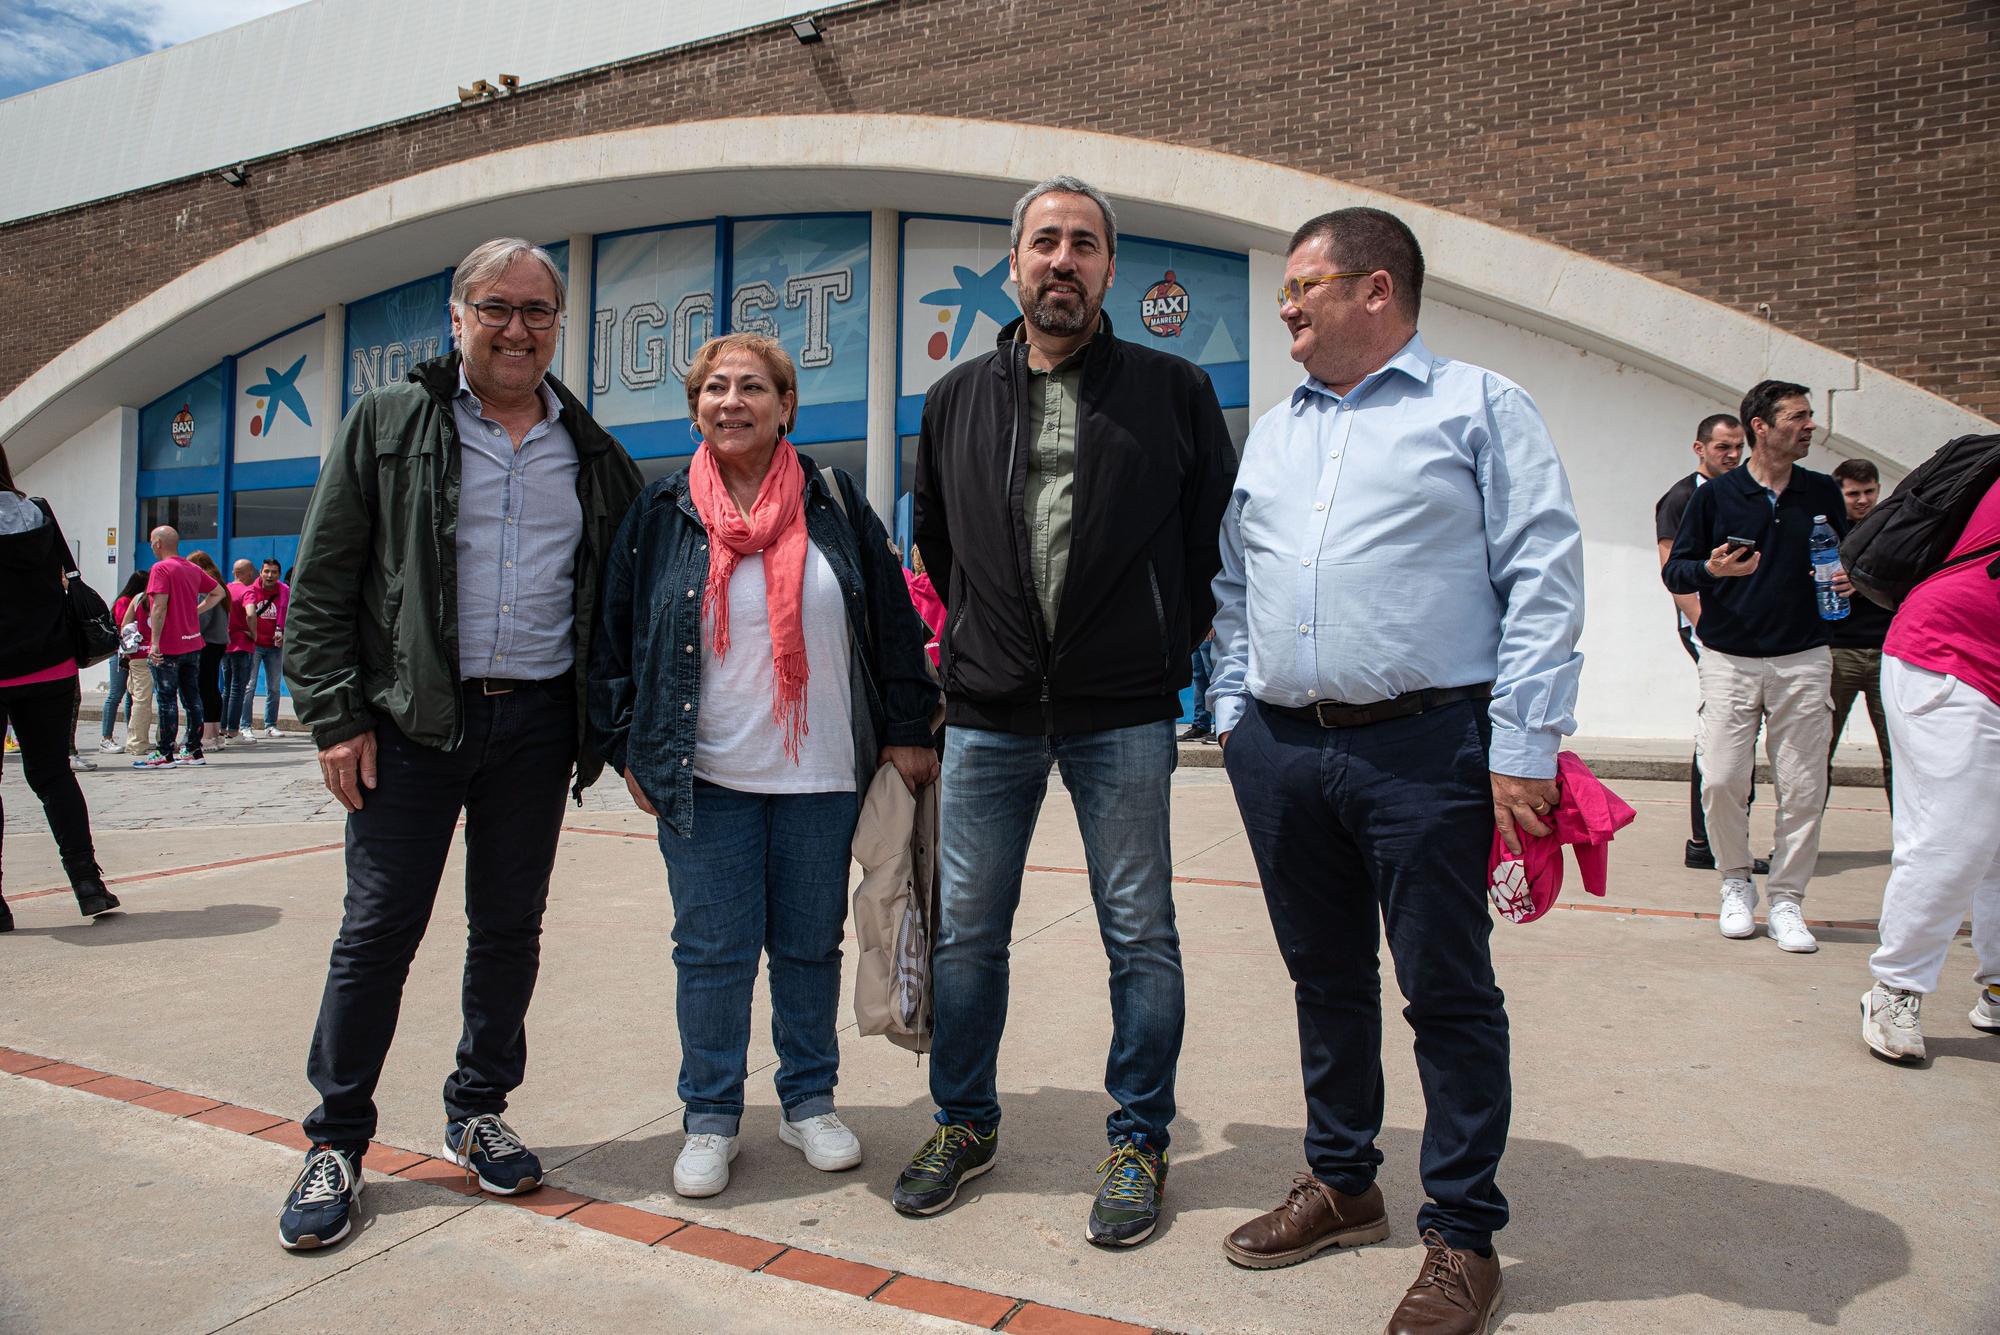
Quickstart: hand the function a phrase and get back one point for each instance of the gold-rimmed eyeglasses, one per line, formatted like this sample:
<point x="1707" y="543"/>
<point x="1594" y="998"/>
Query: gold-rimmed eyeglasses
<point x="1293" y="290"/>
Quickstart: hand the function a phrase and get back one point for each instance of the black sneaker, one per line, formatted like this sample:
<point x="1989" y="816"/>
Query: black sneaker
<point x="319" y="1211"/>
<point x="1702" y="858"/>
<point x="953" y="1155"/>
<point x="487" y="1148"/>
<point x="92" y="899"/>
<point x="1128" y="1195"/>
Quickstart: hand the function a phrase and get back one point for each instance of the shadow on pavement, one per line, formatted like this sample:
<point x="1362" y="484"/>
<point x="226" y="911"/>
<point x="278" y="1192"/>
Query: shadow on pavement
<point x="1585" y="1230"/>
<point x="1850" y="860"/>
<point x="126" y="927"/>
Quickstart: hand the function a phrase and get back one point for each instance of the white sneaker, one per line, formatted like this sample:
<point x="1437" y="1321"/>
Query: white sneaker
<point x="271" y="732"/>
<point x="703" y="1168"/>
<point x="1788" y="928"/>
<point x="245" y="735"/>
<point x="109" y="747"/>
<point x="1738" y="899"/>
<point x="1889" y="1023"/>
<point x="1986" y="1012"/>
<point x="826" y="1142"/>
<point x="80" y="764"/>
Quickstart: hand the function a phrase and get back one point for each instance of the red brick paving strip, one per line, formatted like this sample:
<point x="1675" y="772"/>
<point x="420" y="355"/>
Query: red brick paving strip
<point x="62" y="1073"/>
<point x="246" y="1121"/>
<point x="1035" y="1319"/>
<point x="164" y="872"/>
<point x="176" y="1104"/>
<point x="439" y="1173"/>
<point x="623" y="1221"/>
<point x="289" y="1134"/>
<point x="553" y="1202"/>
<point x="830" y="1272"/>
<point x="719" y="1244"/>
<point x="118" y="1087"/>
<point x="946" y="1300"/>
<point x="868" y="1282"/>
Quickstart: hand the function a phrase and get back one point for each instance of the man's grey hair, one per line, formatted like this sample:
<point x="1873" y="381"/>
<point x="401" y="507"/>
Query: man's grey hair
<point x="490" y="259"/>
<point x="1066" y="185"/>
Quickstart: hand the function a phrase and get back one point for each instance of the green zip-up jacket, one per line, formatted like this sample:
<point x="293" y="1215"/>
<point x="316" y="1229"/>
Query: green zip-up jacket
<point x="372" y="631"/>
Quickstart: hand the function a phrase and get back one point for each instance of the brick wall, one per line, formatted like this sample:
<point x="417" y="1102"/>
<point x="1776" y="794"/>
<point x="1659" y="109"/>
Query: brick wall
<point x="1838" y="161"/>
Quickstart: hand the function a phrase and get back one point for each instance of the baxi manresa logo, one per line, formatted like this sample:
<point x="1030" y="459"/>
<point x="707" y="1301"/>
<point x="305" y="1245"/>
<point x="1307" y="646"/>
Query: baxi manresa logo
<point x="182" y="427"/>
<point x="1164" y="308"/>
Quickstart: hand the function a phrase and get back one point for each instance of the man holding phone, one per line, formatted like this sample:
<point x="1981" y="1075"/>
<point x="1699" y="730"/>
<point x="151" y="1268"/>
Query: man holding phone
<point x="1744" y="550"/>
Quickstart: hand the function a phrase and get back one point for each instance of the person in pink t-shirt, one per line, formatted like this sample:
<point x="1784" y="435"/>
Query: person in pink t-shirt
<point x="1941" y="692"/>
<point x="239" y="660"/>
<point x="178" y="592"/>
<point x="265" y="604"/>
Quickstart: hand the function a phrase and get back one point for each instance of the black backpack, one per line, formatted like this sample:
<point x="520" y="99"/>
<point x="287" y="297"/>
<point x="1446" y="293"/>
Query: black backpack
<point x="1905" y="539"/>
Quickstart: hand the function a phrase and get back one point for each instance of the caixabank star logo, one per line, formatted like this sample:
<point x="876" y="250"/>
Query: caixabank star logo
<point x="1164" y="308"/>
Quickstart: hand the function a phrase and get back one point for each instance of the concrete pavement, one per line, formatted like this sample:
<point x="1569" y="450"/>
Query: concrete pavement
<point x="1700" y="1142"/>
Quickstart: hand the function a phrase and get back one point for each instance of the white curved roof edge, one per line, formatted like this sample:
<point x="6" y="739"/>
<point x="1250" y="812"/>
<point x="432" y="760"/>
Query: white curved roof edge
<point x="1586" y="303"/>
<point x="312" y="72"/>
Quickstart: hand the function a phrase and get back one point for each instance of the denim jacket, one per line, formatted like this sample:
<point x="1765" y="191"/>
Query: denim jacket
<point x="645" y="660"/>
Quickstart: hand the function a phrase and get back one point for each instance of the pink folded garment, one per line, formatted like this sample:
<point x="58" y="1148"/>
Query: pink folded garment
<point x="1587" y="815"/>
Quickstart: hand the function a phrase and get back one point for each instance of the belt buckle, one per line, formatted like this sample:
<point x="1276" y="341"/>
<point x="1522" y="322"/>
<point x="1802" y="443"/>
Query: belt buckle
<point x="1320" y="708"/>
<point x="486" y="687"/>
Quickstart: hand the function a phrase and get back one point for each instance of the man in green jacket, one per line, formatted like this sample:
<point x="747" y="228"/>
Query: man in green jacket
<point x="439" y="631"/>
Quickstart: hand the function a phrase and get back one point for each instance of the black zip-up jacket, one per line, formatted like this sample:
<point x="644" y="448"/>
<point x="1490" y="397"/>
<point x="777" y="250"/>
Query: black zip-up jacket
<point x="1154" y="466"/>
<point x="372" y="631"/>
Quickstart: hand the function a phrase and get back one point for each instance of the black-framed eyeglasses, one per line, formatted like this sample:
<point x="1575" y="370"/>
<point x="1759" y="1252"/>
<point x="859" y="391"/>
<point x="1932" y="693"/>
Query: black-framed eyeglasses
<point x="496" y="314"/>
<point x="1293" y="290"/>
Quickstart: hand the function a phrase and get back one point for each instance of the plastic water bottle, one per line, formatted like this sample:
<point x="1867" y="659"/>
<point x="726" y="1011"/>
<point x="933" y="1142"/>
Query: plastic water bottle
<point x="1825" y="565"/>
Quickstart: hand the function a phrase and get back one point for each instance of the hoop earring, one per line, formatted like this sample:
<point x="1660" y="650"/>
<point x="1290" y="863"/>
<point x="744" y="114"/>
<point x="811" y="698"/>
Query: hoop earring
<point x="694" y="433"/>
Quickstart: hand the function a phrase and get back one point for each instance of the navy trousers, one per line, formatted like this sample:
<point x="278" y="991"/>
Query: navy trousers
<point x="1389" y="823"/>
<point x="508" y="777"/>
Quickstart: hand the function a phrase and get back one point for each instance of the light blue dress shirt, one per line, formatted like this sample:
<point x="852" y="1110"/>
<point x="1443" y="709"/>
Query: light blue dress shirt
<point x="519" y="523"/>
<point x="1416" y="533"/>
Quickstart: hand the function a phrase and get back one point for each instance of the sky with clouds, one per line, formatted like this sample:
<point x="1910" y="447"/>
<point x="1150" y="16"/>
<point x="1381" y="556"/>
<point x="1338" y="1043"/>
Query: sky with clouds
<point x="44" y="43"/>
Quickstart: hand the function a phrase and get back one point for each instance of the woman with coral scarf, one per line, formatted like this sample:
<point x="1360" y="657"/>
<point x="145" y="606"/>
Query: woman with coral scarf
<point x="758" y="660"/>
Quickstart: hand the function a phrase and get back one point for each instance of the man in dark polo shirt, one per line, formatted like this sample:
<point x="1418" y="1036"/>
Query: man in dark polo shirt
<point x="1857" y="641"/>
<point x="1718" y="448"/>
<point x="1765" y="658"/>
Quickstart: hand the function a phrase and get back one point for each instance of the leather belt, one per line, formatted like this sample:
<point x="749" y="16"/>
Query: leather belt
<point x="1334" y="714"/>
<point x="508" y="685"/>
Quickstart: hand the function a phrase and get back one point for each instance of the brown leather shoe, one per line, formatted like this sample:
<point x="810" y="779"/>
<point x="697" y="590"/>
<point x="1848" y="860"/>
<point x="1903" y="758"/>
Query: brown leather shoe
<point x="1456" y="1293"/>
<point x="1313" y="1218"/>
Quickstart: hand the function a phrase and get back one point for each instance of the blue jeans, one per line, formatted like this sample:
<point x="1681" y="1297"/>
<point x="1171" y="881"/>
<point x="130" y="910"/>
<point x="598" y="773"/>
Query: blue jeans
<point x="763" y="873"/>
<point x="178" y="675"/>
<point x="994" y="782"/>
<point x="1201" y="668"/>
<point x="239" y="675"/>
<point x="114" y="695"/>
<point x="507" y="777"/>
<point x="1357" y="828"/>
<point x="271" y="658"/>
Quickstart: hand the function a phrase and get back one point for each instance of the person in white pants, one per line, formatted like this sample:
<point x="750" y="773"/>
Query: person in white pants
<point x="1941" y="692"/>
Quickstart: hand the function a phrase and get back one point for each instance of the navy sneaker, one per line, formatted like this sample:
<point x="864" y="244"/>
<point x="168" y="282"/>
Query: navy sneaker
<point x="488" y="1149"/>
<point x="955" y="1154"/>
<point x="319" y="1211"/>
<point x="1128" y="1194"/>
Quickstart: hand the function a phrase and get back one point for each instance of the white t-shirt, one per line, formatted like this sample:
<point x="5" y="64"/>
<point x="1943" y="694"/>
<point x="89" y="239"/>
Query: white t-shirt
<point x="738" y="743"/>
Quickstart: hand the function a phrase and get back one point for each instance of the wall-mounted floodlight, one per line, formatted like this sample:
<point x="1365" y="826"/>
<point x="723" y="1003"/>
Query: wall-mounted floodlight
<point x="236" y="176"/>
<point x="807" y="30"/>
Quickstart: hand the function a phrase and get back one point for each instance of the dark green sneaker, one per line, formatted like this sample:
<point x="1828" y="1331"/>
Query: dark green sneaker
<point x="1128" y="1196"/>
<point x="954" y="1155"/>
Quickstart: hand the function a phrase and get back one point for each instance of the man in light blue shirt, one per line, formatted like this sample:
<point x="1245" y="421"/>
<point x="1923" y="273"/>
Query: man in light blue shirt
<point x="1397" y="615"/>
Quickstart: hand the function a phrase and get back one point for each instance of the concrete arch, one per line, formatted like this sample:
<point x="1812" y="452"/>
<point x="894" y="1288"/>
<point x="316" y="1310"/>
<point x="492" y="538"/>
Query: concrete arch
<point x="597" y="183"/>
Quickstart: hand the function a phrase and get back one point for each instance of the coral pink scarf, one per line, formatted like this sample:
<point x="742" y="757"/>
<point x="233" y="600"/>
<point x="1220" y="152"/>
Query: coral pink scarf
<point x="776" y="526"/>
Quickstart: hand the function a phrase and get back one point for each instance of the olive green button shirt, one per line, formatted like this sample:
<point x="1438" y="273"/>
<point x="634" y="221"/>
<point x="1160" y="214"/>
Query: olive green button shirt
<point x="1052" y="408"/>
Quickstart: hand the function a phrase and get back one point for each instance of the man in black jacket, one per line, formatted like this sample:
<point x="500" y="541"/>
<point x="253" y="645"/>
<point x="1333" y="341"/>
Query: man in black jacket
<point x="1070" y="487"/>
<point x="438" y="636"/>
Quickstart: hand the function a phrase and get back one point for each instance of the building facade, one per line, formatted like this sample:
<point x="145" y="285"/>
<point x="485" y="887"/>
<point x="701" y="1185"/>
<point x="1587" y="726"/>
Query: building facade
<point x="1635" y="213"/>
